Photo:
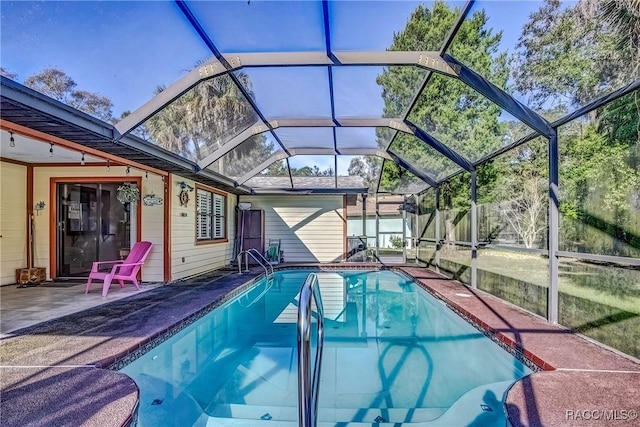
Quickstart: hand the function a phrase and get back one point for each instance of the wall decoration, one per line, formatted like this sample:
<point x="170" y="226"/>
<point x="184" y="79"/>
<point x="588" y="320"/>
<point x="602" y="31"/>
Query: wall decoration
<point x="152" y="199"/>
<point x="184" y="186"/>
<point x="184" y="193"/>
<point x="184" y="198"/>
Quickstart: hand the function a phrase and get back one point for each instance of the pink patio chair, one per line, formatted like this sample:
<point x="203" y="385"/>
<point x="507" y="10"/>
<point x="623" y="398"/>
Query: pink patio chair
<point x="121" y="270"/>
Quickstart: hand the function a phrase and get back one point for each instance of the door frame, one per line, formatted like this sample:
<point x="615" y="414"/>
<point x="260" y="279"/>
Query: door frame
<point x="53" y="228"/>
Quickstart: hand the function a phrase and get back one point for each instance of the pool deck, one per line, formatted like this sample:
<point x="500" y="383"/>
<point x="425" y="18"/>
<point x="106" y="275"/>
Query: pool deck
<point x="51" y="373"/>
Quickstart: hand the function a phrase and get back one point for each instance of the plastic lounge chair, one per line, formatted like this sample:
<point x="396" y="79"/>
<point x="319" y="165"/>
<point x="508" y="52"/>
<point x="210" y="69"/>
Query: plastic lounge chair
<point x="273" y="253"/>
<point x="122" y="270"/>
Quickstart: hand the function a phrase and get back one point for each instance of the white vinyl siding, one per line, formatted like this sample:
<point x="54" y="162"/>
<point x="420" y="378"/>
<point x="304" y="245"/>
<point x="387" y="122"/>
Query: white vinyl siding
<point x="189" y="255"/>
<point x="310" y="228"/>
<point x="13" y="221"/>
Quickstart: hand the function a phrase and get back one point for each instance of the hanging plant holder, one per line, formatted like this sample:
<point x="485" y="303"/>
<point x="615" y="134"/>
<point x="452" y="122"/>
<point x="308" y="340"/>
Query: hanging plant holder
<point x="126" y="193"/>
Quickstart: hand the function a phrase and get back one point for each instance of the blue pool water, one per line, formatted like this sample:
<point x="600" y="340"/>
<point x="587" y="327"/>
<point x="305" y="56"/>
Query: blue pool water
<point x="392" y="354"/>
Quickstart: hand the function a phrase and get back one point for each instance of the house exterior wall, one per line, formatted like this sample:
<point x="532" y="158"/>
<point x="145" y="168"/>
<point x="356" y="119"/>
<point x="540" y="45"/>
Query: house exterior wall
<point x="198" y="258"/>
<point x="311" y="227"/>
<point x="152" y="216"/>
<point x="13" y="220"/>
<point x="187" y="256"/>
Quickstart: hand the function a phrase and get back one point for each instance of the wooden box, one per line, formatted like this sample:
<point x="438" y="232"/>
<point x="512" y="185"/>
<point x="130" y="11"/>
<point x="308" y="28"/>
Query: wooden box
<point x="31" y="275"/>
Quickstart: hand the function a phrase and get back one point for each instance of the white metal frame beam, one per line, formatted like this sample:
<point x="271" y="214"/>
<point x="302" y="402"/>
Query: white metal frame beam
<point x="256" y="128"/>
<point x="172" y="92"/>
<point x="259" y="127"/>
<point x="300" y="152"/>
<point x="430" y="60"/>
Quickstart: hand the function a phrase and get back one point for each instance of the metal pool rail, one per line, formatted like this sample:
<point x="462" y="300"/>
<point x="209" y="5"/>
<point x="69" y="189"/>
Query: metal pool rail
<point x="309" y="382"/>
<point x="260" y="259"/>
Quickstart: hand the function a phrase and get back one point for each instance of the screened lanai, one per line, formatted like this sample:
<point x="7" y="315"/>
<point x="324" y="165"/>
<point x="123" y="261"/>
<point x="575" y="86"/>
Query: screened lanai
<point x="325" y="91"/>
<point x="259" y="91"/>
<point x="513" y="125"/>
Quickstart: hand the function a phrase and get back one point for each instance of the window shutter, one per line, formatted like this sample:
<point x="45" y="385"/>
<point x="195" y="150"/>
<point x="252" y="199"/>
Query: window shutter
<point x="218" y="216"/>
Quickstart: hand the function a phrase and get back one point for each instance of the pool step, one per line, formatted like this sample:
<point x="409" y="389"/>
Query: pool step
<point x="233" y="422"/>
<point x="290" y="413"/>
<point x="479" y="406"/>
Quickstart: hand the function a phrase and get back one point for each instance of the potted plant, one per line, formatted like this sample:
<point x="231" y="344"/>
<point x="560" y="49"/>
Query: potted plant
<point x="127" y="193"/>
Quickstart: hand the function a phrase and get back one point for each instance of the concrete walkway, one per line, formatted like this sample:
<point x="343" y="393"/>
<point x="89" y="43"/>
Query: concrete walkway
<point x="24" y="307"/>
<point x="581" y="383"/>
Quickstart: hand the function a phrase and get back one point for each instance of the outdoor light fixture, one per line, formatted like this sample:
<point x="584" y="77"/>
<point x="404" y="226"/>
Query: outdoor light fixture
<point x="82" y="160"/>
<point x="108" y="165"/>
<point x="128" y="170"/>
<point x="184" y="186"/>
<point x="51" y="149"/>
<point x="146" y="174"/>
<point x="12" y="141"/>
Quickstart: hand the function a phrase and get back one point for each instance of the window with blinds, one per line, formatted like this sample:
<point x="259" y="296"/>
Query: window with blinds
<point x="211" y="221"/>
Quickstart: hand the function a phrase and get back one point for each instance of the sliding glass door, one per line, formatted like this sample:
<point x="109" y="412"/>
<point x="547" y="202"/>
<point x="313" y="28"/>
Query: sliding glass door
<point x="92" y="225"/>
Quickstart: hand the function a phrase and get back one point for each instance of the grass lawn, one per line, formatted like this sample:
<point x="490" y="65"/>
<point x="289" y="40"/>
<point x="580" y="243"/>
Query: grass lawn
<point x="600" y="301"/>
<point x="613" y="286"/>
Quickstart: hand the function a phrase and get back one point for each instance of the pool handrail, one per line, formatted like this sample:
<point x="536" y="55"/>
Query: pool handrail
<point x="309" y="384"/>
<point x="260" y="259"/>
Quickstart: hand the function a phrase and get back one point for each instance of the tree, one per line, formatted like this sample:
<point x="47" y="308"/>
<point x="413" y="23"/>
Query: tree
<point x="567" y="55"/>
<point x="446" y="108"/>
<point x="455" y="204"/>
<point x="624" y="17"/>
<point x="277" y="168"/>
<point x="366" y="167"/>
<point x="53" y="83"/>
<point x="525" y="207"/>
<point x="8" y="74"/>
<point x="620" y="121"/>
<point x="92" y="104"/>
<point x="396" y="241"/>
<point x="59" y="86"/>
<point x="205" y="118"/>
<point x="311" y="171"/>
<point x="599" y="182"/>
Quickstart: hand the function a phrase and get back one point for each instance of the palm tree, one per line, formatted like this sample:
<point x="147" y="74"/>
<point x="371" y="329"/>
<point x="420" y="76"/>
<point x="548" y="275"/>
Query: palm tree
<point x="167" y="128"/>
<point x="217" y="111"/>
<point x="204" y="118"/>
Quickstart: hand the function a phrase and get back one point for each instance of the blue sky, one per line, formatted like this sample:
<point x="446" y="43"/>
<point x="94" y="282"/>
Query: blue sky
<point x="125" y="49"/>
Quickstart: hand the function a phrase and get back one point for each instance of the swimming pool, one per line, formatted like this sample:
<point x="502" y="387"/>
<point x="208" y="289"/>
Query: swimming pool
<point x="392" y="354"/>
